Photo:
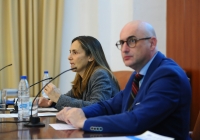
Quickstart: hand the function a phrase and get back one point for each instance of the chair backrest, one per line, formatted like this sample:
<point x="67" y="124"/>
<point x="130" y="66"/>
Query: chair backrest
<point x="196" y="130"/>
<point x="122" y="77"/>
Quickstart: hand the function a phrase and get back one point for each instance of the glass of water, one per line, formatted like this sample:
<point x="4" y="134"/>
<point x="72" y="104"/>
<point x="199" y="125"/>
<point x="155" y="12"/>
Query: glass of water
<point x="2" y="99"/>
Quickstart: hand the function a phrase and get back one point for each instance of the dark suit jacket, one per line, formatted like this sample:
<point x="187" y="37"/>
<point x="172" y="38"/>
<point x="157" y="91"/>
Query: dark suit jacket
<point x="162" y="104"/>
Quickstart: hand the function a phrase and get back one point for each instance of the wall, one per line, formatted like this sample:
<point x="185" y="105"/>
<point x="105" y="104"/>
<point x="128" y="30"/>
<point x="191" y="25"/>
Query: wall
<point x="104" y="19"/>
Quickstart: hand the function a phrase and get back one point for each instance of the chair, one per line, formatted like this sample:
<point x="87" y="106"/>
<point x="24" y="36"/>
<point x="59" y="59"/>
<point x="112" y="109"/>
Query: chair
<point x="122" y="77"/>
<point x="195" y="134"/>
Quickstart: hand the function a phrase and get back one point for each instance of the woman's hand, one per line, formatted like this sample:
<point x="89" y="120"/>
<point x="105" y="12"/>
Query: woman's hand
<point x="52" y="92"/>
<point x="43" y="102"/>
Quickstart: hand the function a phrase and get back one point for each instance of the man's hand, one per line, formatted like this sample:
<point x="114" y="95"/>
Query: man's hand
<point x="73" y="116"/>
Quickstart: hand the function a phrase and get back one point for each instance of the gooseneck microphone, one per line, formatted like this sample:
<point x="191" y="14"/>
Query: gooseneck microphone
<point x="40" y="81"/>
<point x="35" y="121"/>
<point x="15" y="110"/>
<point x="5" y="67"/>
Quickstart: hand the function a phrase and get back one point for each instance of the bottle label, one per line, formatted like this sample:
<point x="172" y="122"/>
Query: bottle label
<point x="23" y="105"/>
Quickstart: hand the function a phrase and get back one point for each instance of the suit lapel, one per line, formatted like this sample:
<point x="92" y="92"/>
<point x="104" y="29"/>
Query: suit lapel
<point x="153" y="66"/>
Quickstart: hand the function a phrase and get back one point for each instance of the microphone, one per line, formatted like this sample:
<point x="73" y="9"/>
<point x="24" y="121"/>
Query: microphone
<point x="5" y="67"/>
<point x="35" y="121"/>
<point x="15" y="110"/>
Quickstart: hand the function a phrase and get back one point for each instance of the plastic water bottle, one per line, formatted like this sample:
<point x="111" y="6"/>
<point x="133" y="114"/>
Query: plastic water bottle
<point x="23" y="99"/>
<point x="46" y="75"/>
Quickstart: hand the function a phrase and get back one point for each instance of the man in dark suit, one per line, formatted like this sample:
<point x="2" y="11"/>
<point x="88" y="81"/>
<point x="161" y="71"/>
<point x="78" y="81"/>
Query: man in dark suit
<point x="162" y="104"/>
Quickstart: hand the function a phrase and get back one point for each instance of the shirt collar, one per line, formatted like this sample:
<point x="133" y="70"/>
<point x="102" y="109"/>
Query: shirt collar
<point x="145" y="68"/>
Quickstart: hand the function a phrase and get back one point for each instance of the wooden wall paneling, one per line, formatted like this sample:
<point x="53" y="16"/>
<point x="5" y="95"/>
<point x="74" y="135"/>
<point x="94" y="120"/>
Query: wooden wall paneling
<point x="193" y="21"/>
<point x="189" y="54"/>
<point x="175" y="32"/>
<point x="183" y="41"/>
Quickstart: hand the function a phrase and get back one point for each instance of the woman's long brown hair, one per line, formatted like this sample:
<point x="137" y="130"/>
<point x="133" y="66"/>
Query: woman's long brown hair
<point x="92" y="47"/>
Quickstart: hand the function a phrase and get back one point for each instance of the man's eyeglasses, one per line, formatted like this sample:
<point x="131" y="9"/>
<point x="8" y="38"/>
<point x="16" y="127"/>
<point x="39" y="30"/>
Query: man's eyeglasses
<point x="131" y="41"/>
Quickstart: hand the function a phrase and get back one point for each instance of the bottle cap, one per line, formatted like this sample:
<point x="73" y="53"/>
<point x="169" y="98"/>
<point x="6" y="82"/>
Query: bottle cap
<point x="46" y="71"/>
<point x="23" y="77"/>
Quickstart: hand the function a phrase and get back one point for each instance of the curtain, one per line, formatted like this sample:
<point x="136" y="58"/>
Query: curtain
<point x="30" y="40"/>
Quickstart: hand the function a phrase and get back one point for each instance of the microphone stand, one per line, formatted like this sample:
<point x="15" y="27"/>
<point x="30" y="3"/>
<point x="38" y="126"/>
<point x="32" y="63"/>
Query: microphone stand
<point x="0" y="70"/>
<point x="35" y="121"/>
<point x="15" y="110"/>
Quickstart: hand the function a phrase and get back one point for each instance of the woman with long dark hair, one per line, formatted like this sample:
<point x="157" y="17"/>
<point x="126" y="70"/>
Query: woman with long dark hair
<point x="94" y="80"/>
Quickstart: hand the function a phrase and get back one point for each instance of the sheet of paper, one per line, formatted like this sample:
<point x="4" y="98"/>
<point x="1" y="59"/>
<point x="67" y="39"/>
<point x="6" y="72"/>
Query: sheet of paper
<point x="152" y="136"/>
<point x="8" y="115"/>
<point x="15" y="115"/>
<point x="106" y="138"/>
<point x="62" y="126"/>
<point x="50" y="109"/>
<point x="47" y="114"/>
<point x="9" y="108"/>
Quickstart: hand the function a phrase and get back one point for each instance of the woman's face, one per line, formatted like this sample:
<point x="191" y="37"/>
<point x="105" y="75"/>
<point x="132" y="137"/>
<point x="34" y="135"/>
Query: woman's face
<point x="78" y="58"/>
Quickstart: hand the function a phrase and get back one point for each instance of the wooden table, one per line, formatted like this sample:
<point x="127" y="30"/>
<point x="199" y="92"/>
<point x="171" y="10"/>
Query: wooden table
<point x="18" y="131"/>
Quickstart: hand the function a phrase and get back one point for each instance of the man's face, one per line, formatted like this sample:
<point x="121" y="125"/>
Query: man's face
<point x="135" y="57"/>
